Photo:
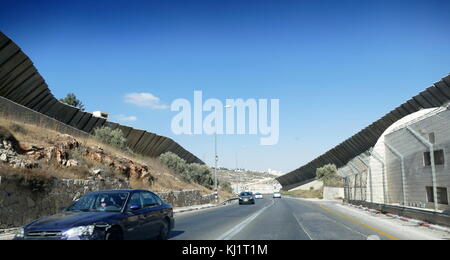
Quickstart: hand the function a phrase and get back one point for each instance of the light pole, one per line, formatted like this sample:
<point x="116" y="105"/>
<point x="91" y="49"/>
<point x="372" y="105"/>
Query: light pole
<point x="216" y="160"/>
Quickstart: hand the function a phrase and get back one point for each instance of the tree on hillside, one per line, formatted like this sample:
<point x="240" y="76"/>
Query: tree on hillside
<point x="72" y="100"/>
<point x="329" y="175"/>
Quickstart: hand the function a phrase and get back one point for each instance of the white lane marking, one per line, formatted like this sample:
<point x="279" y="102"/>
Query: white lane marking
<point x="302" y="227"/>
<point x="235" y="230"/>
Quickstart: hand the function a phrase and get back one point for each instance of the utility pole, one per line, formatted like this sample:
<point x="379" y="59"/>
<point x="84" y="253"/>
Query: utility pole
<point x="216" y="159"/>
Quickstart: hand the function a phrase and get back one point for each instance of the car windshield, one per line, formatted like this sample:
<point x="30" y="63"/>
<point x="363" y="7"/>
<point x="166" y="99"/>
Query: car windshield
<point x="97" y="202"/>
<point x="246" y="194"/>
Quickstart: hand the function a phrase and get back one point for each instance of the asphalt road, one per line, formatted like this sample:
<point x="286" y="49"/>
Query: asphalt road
<point x="291" y="219"/>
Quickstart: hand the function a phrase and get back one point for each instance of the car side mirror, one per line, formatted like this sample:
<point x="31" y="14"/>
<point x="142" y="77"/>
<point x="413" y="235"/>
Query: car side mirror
<point x="135" y="207"/>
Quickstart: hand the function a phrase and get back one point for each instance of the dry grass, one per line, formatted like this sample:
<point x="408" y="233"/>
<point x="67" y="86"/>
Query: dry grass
<point x="306" y="193"/>
<point x="165" y="178"/>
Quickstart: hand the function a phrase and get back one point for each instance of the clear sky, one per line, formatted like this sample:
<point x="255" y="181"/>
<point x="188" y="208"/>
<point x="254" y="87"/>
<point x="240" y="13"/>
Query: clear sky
<point x="336" y="66"/>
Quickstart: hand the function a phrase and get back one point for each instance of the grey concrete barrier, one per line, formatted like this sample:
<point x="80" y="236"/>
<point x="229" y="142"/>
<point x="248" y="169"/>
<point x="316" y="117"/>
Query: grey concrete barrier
<point x="423" y="215"/>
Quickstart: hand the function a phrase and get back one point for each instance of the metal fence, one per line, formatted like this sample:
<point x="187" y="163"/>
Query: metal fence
<point x="409" y="166"/>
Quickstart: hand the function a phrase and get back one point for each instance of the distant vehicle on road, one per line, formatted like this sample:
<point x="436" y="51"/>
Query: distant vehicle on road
<point x="258" y="195"/>
<point x="106" y="215"/>
<point x="277" y="195"/>
<point x="246" y="198"/>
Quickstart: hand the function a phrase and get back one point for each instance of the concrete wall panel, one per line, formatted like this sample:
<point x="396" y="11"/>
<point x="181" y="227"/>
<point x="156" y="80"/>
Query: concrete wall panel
<point x="125" y="130"/>
<point x="134" y="137"/>
<point x="48" y="105"/>
<point x="443" y="88"/>
<point x="83" y="121"/>
<point x="68" y="114"/>
<point x="437" y="95"/>
<point x="16" y="78"/>
<point x="8" y="51"/>
<point x="9" y="77"/>
<point x="154" y="152"/>
<point x="35" y="95"/>
<point x="90" y="124"/>
<point x="37" y="104"/>
<point x="150" y="146"/>
<point x="162" y="146"/>
<point x="100" y="122"/>
<point x="3" y="40"/>
<point x="13" y="63"/>
<point x="431" y="99"/>
<point x="76" y="118"/>
<point x="111" y="125"/>
<point x="422" y="101"/>
<point x="25" y="88"/>
<point x="142" y="144"/>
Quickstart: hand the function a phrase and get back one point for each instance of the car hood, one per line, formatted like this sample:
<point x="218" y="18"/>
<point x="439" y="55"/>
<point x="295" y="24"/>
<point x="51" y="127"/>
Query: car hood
<point x="66" y="220"/>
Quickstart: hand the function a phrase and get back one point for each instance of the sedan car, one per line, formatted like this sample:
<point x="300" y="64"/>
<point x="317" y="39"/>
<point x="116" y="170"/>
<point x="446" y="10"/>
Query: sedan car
<point x="106" y="215"/>
<point x="277" y="195"/>
<point x="246" y="198"/>
<point x="258" y="195"/>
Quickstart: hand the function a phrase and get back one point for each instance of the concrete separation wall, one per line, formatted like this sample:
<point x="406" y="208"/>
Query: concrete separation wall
<point x="436" y="95"/>
<point x="21" y="83"/>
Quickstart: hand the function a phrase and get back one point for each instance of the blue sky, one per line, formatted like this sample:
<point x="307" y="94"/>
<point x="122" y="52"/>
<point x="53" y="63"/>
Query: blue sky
<point x="336" y="66"/>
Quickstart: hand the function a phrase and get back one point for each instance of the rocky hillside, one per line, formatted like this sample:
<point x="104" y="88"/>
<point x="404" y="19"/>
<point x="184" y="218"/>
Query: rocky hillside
<point x="31" y="151"/>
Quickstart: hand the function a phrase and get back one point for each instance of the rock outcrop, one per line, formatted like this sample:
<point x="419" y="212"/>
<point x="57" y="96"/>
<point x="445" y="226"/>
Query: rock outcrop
<point x="68" y="152"/>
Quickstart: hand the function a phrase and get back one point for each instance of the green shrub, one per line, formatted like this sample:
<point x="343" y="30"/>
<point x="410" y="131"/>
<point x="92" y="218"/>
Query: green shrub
<point x="112" y="137"/>
<point x="174" y="162"/>
<point x="193" y="172"/>
<point x="329" y="175"/>
<point x="226" y="186"/>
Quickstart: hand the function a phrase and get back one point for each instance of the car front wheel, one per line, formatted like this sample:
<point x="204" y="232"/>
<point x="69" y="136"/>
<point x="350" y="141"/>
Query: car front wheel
<point x="114" y="234"/>
<point x="164" y="232"/>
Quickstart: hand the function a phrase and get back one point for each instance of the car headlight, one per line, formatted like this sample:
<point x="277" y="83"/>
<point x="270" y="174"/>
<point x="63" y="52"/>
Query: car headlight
<point x="20" y="233"/>
<point x="78" y="232"/>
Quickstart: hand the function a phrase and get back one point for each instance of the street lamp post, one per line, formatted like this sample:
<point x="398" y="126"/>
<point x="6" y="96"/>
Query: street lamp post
<point x="216" y="160"/>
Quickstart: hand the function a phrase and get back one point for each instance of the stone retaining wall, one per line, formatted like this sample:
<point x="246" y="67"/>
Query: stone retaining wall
<point x="25" y="199"/>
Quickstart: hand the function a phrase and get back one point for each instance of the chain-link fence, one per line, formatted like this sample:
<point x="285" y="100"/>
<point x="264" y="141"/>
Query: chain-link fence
<point x="408" y="166"/>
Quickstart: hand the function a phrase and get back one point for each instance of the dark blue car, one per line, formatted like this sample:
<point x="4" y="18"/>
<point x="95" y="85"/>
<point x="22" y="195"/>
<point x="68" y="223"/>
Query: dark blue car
<point x="106" y="215"/>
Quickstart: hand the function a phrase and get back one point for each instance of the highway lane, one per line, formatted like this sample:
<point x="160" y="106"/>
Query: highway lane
<point x="211" y="224"/>
<point x="290" y="219"/>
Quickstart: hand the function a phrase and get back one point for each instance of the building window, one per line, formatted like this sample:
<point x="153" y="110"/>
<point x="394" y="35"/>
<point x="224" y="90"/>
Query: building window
<point x="439" y="158"/>
<point x="442" y="195"/>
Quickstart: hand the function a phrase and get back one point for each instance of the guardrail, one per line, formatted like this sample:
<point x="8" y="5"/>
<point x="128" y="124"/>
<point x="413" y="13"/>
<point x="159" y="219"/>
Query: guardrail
<point x="229" y="201"/>
<point x="423" y="215"/>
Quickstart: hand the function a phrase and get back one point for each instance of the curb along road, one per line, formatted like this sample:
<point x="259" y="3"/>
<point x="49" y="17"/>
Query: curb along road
<point x="409" y="220"/>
